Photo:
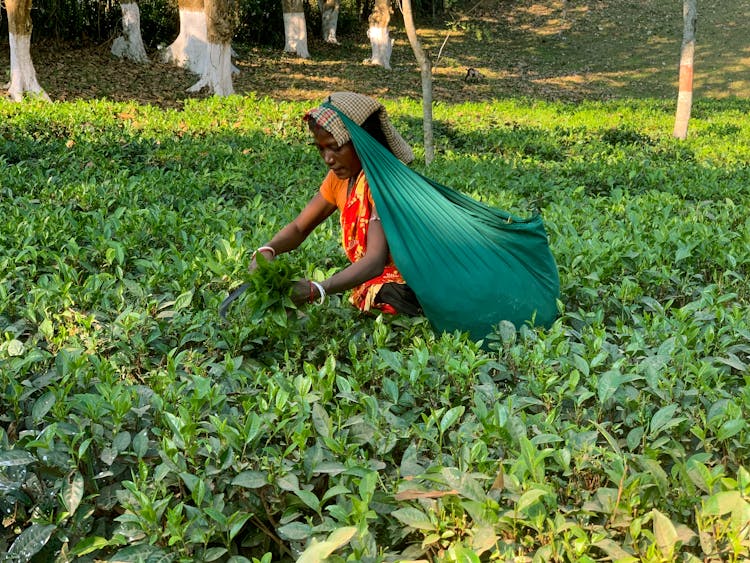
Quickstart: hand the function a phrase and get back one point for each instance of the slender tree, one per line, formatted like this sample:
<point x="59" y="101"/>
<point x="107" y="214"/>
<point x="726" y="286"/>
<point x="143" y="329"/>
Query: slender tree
<point x="217" y="71"/>
<point x="129" y="45"/>
<point x="329" y="16"/>
<point x="687" y="53"/>
<point x="190" y="48"/>
<point x="425" y="68"/>
<point x="295" y="28"/>
<point x="22" y="73"/>
<point x="380" y="39"/>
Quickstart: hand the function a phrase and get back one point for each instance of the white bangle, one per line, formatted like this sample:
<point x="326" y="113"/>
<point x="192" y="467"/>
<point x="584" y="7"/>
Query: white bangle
<point x="321" y="291"/>
<point x="262" y="248"/>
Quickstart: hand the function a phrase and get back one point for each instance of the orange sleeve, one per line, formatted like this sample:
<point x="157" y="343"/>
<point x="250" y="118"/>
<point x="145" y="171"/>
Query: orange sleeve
<point x="327" y="189"/>
<point x="333" y="190"/>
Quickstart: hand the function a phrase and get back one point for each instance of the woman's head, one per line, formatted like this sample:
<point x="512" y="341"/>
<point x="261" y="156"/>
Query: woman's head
<point x="365" y="112"/>
<point x="342" y="160"/>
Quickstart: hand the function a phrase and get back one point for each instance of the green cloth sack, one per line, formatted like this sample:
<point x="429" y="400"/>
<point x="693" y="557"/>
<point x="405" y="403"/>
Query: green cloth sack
<point x="470" y="265"/>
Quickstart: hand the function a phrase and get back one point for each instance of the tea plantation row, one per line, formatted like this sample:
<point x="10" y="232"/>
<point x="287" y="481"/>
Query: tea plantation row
<point x="136" y="425"/>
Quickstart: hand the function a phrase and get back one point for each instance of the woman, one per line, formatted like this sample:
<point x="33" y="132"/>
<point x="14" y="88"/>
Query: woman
<point x="372" y="276"/>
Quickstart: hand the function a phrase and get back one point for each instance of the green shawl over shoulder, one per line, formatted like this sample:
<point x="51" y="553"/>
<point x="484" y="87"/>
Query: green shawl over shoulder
<point x="470" y="265"/>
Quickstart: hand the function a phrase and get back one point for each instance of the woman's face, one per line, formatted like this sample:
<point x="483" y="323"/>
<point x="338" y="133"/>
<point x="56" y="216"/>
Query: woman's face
<point x="342" y="160"/>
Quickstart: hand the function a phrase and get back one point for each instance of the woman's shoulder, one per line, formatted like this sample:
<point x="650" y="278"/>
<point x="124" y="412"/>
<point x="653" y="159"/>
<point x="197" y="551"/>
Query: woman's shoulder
<point x="333" y="189"/>
<point x="333" y="184"/>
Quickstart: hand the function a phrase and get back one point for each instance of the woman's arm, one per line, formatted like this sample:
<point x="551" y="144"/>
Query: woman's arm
<point x="369" y="266"/>
<point x="292" y="235"/>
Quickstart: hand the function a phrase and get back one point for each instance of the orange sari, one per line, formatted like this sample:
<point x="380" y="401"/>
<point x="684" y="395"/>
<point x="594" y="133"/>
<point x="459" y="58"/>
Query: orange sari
<point x="355" y="221"/>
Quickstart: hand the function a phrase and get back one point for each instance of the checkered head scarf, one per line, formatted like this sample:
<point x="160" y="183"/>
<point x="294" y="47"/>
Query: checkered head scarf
<point x="358" y="108"/>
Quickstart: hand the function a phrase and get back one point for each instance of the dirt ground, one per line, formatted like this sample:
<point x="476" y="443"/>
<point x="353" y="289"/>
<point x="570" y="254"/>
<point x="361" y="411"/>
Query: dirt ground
<point x="548" y="49"/>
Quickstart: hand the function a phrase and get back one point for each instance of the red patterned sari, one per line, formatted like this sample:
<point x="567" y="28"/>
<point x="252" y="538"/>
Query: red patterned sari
<point x="355" y="221"/>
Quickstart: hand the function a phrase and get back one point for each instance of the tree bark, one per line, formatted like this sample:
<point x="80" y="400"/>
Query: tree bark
<point x="425" y="67"/>
<point x="329" y="15"/>
<point x="217" y="71"/>
<point x="190" y="48"/>
<point x="687" y="53"/>
<point x="295" y="28"/>
<point x="380" y="40"/>
<point x="22" y="73"/>
<point x="129" y="45"/>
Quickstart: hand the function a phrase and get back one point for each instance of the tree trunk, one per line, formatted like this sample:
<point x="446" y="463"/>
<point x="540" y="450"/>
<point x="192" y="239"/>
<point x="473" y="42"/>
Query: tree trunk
<point x="380" y="40"/>
<point x="22" y="72"/>
<point x="129" y="45"/>
<point x="189" y="50"/>
<point x="217" y="72"/>
<point x="425" y="67"/>
<point x="329" y="15"/>
<point x="295" y="28"/>
<point x="685" y="93"/>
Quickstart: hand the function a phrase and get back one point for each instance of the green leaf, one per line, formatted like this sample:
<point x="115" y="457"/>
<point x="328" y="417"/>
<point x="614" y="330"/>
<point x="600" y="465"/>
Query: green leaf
<point x="30" y="542"/>
<point x="615" y="551"/>
<point x="288" y="482"/>
<point x="309" y="499"/>
<point x="608" y="384"/>
<point x="140" y="443"/>
<point x="664" y="533"/>
<point x="414" y="518"/>
<point x="15" y="348"/>
<point x="529" y="498"/>
<point x="216" y="515"/>
<point x="10" y="458"/>
<point x="450" y="418"/>
<point x="213" y="553"/>
<point x="121" y="441"/>
<point x="88" y="545"/>
<point x="699" y="474"/>
<point x="334" y="491"/>
<point x="176" y="425"/>
<point x="329" y="467"/>
<point x="318" y="552"/>
<point x="723" y="503"/>
<point x="183" y="300"/>
<point x="141" y="553"/>
<point x="251" y="479"/>
<point x="321" y="421"/>
<point x="295" y="531"/>
<point x="662" y="419"/>
<point x="72" y="492"/>
<point x="731" y="428"/>
<point x="461" y="554"/>
<point x="43" y="405"/>
<point x="655" y="472"/>
<point x="236" y="521"/>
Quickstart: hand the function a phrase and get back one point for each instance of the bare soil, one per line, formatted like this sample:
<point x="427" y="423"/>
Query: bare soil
<point x="548" y="49"/>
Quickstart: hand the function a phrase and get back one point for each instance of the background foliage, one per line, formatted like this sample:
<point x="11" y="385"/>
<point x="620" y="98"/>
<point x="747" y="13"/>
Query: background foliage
<point x="136" y="425"/>
<point x="82" y="22"/>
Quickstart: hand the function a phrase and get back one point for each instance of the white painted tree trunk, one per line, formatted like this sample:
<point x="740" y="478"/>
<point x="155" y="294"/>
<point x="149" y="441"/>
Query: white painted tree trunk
<point x="218" y="68"/>
<point x="382" y="46"/>
<point x="129" y="45"/>
<point x="190" y="49"/>
<point x="217" y="73"/>
<point x="22" y="73"/>
<point x="295" y="28"/>
<point x="329" y="14"/>
<point x="380" y="39"/>
<point x="687" y="55"/>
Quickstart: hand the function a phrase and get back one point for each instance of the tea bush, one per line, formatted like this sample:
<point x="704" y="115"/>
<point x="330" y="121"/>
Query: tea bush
<point x="137" y="425"/>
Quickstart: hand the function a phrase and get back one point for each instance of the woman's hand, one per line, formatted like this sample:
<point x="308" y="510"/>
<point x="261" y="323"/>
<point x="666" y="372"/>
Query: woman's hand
<point x="267" y="253"/>
<point x="304" y="291"/>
